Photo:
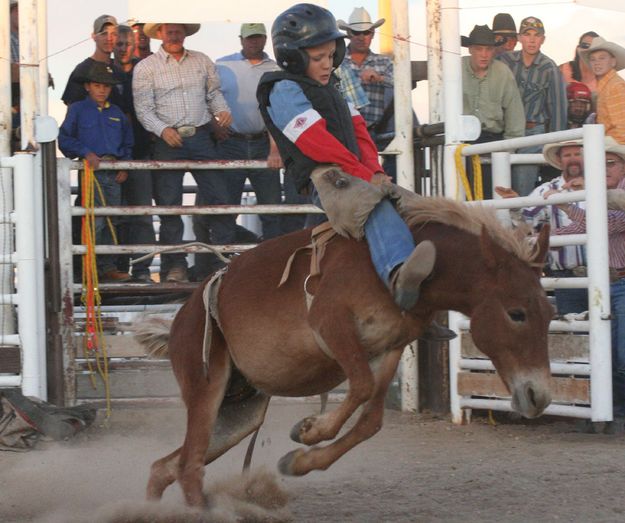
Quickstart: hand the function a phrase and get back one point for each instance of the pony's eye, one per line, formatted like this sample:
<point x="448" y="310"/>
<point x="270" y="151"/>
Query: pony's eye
<point x="516" y="315"/>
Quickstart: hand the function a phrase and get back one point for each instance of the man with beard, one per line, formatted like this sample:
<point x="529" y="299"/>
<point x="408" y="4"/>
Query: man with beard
<point x="569" y="260"/>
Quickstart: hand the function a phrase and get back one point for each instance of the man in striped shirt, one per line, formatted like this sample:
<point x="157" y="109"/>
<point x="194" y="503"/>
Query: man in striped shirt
<point x="615" y="179"/>
<point x="543" y="93"/>
<point x="176" y="96"/>
<point x="569" y="260"/>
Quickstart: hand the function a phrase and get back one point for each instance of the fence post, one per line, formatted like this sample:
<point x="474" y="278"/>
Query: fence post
<point x="30" y="308"/>
<point x="598" y="278"/>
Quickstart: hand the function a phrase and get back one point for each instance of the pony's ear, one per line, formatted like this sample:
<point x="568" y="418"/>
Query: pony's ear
<point x="542" y="244"/>
<point x="487" y="246"/>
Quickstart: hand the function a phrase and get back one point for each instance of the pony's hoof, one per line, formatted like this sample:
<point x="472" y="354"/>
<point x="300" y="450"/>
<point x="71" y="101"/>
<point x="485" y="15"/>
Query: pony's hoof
<point x="286" y="463"/>
<point x="301" y="427"/>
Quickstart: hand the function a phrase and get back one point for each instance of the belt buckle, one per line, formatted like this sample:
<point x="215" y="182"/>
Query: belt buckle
<point x="186" y="131"/>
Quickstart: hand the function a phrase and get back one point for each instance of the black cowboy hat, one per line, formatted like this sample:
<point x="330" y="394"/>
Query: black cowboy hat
<point x="481" y="35"/>
<point x="100" y="73"/>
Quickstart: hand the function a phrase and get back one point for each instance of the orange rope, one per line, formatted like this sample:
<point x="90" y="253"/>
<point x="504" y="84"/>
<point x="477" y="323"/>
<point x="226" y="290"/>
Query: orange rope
<point x="94" y="348"/>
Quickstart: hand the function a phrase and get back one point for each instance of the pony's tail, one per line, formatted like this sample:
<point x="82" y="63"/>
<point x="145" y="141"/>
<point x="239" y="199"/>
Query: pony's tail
<point x="153" y="334"/>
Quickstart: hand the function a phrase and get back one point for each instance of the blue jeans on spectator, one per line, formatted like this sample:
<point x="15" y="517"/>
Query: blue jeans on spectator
<point x="167" y="186"/>
<point x="571" y="300"/>
<point x="112" y="192"/>
<point x="137" y="190"/>
<point x="266" y="183"/>
<point x="524" y="177"/>
<point x="293" y="222"/>
<point x="388" y="237"/>
<point x="617" y="302"/>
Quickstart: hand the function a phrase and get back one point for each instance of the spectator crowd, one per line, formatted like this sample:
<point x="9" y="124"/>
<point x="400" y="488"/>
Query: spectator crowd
<point x="127" y="101"/>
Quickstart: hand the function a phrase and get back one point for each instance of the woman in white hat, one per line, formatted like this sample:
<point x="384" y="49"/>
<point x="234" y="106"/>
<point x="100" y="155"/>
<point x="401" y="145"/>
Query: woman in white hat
<point x="605" y="59"/>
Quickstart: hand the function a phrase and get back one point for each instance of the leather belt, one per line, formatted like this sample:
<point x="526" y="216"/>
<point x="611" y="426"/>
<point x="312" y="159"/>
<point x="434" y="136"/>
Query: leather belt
<point x="616" y="274"/>
<point x="248" y="136"/>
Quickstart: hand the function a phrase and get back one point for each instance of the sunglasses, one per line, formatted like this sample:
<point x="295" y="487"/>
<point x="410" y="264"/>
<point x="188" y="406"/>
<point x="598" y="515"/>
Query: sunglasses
<point x="584" y="45"/>
<point x="358" y="33"/>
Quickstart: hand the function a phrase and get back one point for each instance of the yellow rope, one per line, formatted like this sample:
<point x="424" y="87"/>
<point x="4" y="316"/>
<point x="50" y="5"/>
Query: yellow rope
<point x="94" y="347"/>
<point x="478" y="188"/>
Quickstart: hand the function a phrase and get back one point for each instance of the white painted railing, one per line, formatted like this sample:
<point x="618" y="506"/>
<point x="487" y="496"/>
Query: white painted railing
<point x="28" y="259"/>
<point x="599" y="367"/>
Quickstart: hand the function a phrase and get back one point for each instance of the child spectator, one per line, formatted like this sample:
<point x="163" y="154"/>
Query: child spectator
<point x="95" y="130"/>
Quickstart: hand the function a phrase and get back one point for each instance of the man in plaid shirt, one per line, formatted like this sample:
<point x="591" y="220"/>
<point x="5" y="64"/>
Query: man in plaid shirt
<point x="177" y="98"/>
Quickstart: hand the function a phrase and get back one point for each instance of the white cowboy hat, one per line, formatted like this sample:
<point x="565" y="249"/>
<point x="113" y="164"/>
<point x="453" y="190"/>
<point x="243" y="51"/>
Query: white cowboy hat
<point x="551" y="152"/>
<point x="150" y="30"/>
<point x="359" y="20"/>
<point x="601" y="44"/>
<point x="612" y="146"/>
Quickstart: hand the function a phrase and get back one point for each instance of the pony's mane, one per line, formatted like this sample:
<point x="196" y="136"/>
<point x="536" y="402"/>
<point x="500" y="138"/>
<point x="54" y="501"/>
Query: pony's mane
<point x="420" y="211"/>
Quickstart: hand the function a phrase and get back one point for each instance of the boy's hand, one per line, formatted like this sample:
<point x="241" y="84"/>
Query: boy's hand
<point x="171" y="137"/>
<point x="380" y="178"/>
<point x="93" y="160"/>
<point x="121" y="176"/>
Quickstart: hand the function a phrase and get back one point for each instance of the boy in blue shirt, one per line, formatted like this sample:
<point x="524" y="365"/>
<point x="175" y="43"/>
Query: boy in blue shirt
<point x="95" y="130"/>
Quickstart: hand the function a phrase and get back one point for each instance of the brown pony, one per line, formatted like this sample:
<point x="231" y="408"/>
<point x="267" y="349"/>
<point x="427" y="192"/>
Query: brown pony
<point x="268" y="334"/>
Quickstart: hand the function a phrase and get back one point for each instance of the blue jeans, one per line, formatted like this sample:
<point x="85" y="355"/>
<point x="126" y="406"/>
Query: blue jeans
<point x="112" y="192"/>
<point x="266" y="183"/>
<point x="137" y="190"/>
<point x="524" y="177"/>
<point x="617" y="302"/>
<point x="167" y="187"/>
<point x="389" y="238"/>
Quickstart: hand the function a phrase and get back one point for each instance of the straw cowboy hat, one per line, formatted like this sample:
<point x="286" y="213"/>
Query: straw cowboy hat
<point x="612" y="146"/>
<point x="150" y="30"/>
<point x="551" y="152"/>
<point x="601" y="44"/>
<point x="359" y="20"/>
<point x="481" y="35"/>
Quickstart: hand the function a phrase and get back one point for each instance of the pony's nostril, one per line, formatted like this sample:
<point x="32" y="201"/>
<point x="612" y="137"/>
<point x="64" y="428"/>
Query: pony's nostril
<point x="531" y="396"/>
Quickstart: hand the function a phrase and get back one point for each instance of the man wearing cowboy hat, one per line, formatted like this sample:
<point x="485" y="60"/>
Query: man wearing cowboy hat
<point x="569" y="260"/>
<point x="490" y="93"/>
<point x="605" y="59"/>
<point x="505" y="32"/>
<point x="615" y="179"/>
<point x="177" y="97"/>
<point x="374" y="70"/>
<point x="542" y="91"/>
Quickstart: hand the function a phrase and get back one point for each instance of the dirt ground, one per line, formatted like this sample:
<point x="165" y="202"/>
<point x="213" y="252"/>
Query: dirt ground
<point x="416" y="469"/>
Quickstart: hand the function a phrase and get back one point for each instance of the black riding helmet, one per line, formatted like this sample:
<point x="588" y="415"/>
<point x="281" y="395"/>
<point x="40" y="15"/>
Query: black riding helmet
<point x="301" y="26"/>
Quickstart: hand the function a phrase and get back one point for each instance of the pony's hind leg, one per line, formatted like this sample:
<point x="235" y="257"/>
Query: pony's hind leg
<point x="300" y="462"/>
<point x="339" y="334"/>
<point x="203" y="402"/>
<point x="162" y="474"/>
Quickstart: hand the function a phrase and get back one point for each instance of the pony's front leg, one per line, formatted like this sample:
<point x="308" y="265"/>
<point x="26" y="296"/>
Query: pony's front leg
<point x="300" y="462"/>
<point x="337" y="331"/>
<point x="203" y="401"/>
